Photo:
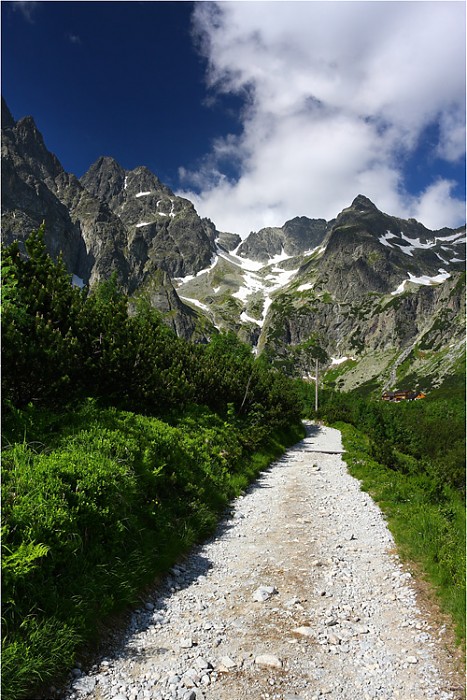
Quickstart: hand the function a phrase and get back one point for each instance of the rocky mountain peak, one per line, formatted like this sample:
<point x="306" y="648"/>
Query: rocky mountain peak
<point x="363" y="204"/>
<point x="31" y="149"/>
<point x="141" y="182"/>
<point x="112" y="184"/>
<point x="163" y="230"/>
<point x="105" y="179"/>
<point x="293" y="238"/>
<point x="7" y="118"/>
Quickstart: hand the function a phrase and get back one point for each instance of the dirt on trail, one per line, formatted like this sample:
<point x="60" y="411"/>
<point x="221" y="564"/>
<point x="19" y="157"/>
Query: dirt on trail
<point x="299" y="595"/>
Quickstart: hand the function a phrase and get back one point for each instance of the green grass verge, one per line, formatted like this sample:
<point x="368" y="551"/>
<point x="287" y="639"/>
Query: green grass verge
<point x="96" y="505"/>
<point x="428" y="524"/>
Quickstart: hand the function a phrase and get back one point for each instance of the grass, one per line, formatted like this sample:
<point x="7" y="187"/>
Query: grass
<point x="97" y="504"/>
<point x="428" y="525"/>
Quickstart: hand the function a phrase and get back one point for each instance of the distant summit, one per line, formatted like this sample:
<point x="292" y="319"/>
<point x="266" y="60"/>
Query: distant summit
<point x="362" y="204"/>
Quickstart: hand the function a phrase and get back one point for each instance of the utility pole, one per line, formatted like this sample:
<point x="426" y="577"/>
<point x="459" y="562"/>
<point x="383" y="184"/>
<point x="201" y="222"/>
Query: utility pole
<point x="316" y="386"/>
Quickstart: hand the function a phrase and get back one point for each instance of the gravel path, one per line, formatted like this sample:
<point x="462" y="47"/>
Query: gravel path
<point x="299" y="595"/>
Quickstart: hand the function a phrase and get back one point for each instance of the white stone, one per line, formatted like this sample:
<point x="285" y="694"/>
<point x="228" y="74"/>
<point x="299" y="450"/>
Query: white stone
<point x="226" y="662"/>
<point x="85" y="684"/>
<point x="330" y="621"/>
<point x="268" y="660"/>
<point x="186" y="643"/>
<point x="263" y="593"/>
<point x="304" y="631"/>
<point x="201" y="663"/>
<point x="190" y="695"/>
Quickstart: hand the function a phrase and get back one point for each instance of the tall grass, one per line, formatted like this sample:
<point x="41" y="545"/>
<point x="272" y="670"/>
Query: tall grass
<point x="427" y="521"/>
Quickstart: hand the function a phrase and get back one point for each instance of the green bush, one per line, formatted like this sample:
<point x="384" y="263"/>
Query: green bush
<point x="430" y="432"/>
<point x="91" y="513"/>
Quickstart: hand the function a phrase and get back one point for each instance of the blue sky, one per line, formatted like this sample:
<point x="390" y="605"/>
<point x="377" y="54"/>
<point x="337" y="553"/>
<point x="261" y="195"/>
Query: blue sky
<point x="257" y="111"/>
<point x="112" y="78"/>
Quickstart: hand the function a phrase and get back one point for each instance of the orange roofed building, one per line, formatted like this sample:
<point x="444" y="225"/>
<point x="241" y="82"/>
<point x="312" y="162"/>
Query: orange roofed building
<point x="403" y="395"/>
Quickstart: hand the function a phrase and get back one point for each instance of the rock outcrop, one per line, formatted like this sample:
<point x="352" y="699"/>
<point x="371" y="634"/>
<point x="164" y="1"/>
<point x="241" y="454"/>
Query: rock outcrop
<point x="295" y="237"/>
<point x="163" y="230"/>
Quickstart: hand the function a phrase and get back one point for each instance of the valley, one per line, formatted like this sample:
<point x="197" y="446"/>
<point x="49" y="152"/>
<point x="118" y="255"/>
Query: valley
<point x="154" y="368"/>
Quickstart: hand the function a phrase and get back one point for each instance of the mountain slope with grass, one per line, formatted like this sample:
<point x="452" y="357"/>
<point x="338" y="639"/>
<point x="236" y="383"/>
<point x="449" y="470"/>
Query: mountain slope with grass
<point x="379" y="298"/>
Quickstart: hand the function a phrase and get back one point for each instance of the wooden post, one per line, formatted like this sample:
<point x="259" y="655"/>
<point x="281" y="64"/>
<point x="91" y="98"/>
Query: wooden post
<point x="316" y="386"/>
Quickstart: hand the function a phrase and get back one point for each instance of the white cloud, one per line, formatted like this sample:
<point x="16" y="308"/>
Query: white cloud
<point x="27" y="9"/>
<point x="451" y="146"/>
<point x="338" y="94"/>
<point x="437" y="205"/>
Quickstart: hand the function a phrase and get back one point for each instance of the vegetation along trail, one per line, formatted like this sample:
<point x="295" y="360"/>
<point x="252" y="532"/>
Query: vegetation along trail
<point x="298" y="595"/>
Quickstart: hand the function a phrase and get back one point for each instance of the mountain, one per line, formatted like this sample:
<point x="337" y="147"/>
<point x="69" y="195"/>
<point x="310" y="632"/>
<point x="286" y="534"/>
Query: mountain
<point x="163" y="230"/>
<point x="380" y="297"/>
<point x="383" y="297"/>
<point x="81" y="224"/>
<point x="294" y="238"/>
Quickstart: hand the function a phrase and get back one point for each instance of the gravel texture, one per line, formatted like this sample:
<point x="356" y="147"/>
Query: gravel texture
<point x="299" y="595"/>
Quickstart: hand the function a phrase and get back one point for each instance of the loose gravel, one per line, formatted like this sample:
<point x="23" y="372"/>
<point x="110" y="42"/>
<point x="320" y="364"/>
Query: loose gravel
<point x="299" y="595"/>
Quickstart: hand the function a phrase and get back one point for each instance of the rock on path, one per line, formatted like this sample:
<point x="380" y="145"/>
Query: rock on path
<point x="337" y="616"/>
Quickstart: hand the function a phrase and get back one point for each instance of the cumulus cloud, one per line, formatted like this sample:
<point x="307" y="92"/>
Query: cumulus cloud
<point x="437" y="205"/>
<point x="336" y="97"/>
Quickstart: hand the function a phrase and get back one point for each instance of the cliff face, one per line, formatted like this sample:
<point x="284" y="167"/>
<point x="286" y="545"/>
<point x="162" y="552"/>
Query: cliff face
<point x="35" y="188"/>
<point x="163" y="230"/>
<point x="294" y="238"/>
<point x="96" y="227"/>
<point x="381" y="296"/>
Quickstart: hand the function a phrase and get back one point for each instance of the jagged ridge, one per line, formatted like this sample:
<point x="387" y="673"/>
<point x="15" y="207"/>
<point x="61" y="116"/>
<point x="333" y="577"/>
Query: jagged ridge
<point x="365" y="285"/>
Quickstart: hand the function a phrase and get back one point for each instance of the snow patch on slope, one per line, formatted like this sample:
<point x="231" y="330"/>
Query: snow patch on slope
<point x="385" y="239"/>
<point x="244" y="263"/>
<point x="251" y="283"/>
<point x="423" y="280"/>
<point x="183" y="280"/>
<point x="457" y="237"/>
<point x="417" y="244"/>
<point x="279" y="258"/>
<point x="339" y="360"/>
<point x="248" y="319"/>
<point x="195" y="302"/>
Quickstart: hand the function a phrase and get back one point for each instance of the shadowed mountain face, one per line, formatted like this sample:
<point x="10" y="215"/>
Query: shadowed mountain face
<point x="162" y="229"/>
<point x="380" y="295"/>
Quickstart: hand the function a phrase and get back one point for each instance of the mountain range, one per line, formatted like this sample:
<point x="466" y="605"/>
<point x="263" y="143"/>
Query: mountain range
<point x="379" y="299"/>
